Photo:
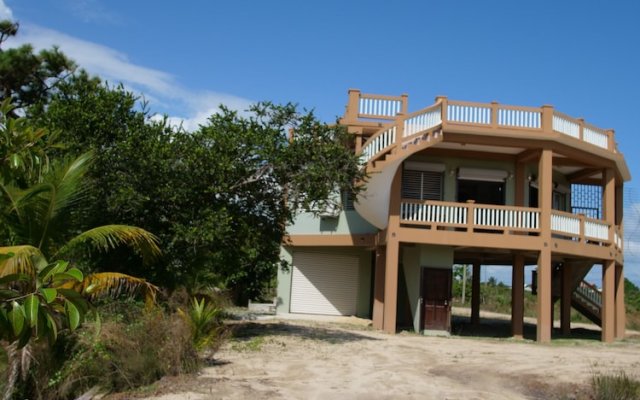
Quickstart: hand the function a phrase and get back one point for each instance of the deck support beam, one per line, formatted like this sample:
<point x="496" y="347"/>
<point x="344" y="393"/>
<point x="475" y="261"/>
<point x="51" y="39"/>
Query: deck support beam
<point x="393" y="256"/>
<point x="517" y="297"/>
<point x="378" y="289"/>
<point x="621" y="318"/>
<point x="475" y="294"/>
<point x="565" y="300"/>
<point x="608" y="300"/>
<point x="544" y="301"/>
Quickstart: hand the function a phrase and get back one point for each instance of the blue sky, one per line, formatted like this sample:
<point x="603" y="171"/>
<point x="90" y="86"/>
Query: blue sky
<point x="580" y="56"/>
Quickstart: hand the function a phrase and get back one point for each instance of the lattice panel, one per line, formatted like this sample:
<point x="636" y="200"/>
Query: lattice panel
<point x="587" y="200"/>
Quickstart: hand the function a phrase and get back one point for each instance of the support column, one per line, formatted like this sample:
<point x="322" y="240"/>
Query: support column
<point x="517" y="297"/>
<point x="475" y="294"/>
<point x="392" y="258"/>
<point x="543" y="306"/>
<point x="391" y="286"/>
<point x="608" y="300"/>
<point x="378" y="289"/>
<point x="621" y="317"/>
<point x="545" y="193"/>
<point x="565" y="300"/>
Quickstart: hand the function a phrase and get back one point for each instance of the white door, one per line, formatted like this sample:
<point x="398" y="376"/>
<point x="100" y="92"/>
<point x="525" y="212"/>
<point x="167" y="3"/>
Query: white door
<point x="324" y="283"/>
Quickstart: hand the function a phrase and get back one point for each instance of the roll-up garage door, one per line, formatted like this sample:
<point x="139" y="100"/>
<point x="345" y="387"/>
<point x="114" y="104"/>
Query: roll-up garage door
<point x="324" y="283"/>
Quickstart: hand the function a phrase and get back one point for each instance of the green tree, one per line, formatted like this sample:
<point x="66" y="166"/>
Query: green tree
<point x="24" y="149"/>
<point x="215" y="197"/>
<point x="42" y="215"/>
<point x="27" y="77"/>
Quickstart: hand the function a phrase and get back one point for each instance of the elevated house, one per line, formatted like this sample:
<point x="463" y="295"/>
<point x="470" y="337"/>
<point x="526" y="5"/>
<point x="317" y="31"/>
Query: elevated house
<point x="469" y="183"/>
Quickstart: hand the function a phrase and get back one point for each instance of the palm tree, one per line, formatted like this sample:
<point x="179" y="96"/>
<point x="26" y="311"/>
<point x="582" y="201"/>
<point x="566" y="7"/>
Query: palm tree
<point x="42" y="216"/>
<point x="37" y="223"/>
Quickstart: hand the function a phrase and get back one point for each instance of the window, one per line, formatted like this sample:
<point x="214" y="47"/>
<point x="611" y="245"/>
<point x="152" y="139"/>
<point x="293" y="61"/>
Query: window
<point x="484" y="186"/>
<point x="421" y="185"/>
<point x="482" y="192"/>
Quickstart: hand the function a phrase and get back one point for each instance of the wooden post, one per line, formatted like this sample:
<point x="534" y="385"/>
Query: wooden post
<point x="546" y="122"/>
<point x="475" y="294"/>
<point x="353" y="106"/>
<point x="544" y="300"/>
<point x="378" y="291"/>
<point x="520" y="180"/>
<point x="404" y="108"/>
<point x="608" y="300"/>
<point x="494" y="114"/>
<point x="517" y="297"/>
<point x="543" y="306"/>
<point x="565" y="301"/>
<point x="621" y="318"/>
<point x="609" y="199"/>
<point x="392" y="258"/>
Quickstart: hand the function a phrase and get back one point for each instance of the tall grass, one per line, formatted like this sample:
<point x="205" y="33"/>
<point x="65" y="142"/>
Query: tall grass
<point x="616" y="386"/>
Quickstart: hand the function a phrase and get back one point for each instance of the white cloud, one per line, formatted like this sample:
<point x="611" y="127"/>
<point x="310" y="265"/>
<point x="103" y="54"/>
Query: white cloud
<point x="191" y="107"/>
<point x="5" y="11"/>
<point x="91" y="11"/>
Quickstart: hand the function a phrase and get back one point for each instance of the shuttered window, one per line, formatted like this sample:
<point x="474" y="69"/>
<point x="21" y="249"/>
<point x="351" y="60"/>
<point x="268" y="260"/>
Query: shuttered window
<point x="421" y="185"/>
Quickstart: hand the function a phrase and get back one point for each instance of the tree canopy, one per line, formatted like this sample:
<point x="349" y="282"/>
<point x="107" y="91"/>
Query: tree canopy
<point x="27" y="77"/>
<point x="218" y="198"/>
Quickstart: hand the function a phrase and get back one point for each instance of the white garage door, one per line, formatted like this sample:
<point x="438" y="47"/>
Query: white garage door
<point x="324" y="283"/>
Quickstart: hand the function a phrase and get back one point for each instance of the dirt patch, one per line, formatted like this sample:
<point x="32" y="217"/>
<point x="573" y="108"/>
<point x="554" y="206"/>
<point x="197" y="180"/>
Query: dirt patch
<point x="295" y="359"/>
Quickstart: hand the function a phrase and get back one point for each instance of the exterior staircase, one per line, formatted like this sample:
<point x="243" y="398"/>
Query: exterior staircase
<point x="586" y="298"/>
<point x="384" y="152"/>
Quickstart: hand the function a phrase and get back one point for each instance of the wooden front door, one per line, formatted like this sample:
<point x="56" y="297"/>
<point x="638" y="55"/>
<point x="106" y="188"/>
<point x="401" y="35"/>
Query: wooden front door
<point x="436" y="298"/>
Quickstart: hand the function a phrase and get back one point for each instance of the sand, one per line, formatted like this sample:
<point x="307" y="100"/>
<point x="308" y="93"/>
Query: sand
<point x="284" y="359"/>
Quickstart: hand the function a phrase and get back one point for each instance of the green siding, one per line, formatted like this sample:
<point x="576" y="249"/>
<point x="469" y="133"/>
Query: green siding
<point x="348" y="222"/>
<point x="284" y="282"/>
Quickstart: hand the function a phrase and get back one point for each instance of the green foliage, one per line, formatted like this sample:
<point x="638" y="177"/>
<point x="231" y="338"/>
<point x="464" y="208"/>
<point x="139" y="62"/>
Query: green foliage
<point x="214" y="197"/>
<point x="462" y="273"/>
<point x="618" y="386"/>
<point x="36" y="304"/>
<point x="27" y="77"/>
<point x="23" y="149"/>
<point x="632" y="302"/>
<point x="43" y="215"/>
<point x="128" y="346"/>
<point x="205" y="319"/>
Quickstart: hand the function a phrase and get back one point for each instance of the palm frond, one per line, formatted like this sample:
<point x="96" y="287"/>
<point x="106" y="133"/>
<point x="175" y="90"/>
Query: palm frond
<point x="112" y="285"/>
<point x="22" y="261"/>
<point x="38" y="211"/>
<point x="108" y="237"/>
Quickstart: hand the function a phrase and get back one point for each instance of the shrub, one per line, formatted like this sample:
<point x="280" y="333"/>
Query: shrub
<point x="133" y="347"/>
<point x="205" y="320"/>
<point x="616" y="386"/>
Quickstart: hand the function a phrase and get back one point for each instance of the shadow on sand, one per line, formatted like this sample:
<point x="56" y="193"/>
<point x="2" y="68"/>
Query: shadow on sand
<point x="500" y="328"/>
<point x="247" y="330"/>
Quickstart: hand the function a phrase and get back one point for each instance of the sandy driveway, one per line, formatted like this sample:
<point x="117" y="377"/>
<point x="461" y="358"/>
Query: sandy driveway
<point x="309" y="360"/>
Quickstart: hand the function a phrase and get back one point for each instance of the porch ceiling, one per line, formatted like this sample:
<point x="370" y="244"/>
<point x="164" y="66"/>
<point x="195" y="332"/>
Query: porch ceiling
<point x="562" y="164"/>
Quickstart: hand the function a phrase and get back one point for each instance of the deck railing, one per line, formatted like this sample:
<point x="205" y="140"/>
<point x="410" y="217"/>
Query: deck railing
<point x="505" y="219"/>
<point x="580" y="130"/>
<point x="618" y="237"/>
<point x="579" y="227"/>
<point x="382" y="141"/>
<point x="375" y="106"/>
<point x="423" y="120"/>
<point x="590" y="294"/>
<point x="488" y="115"/>
<point x="469" y="215"/>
